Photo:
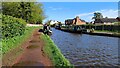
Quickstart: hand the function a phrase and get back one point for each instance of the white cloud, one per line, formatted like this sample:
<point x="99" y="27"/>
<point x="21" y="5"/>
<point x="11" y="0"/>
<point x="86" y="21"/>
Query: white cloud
<point x="110" y="13"/>
<point x="85" y="14"/>
<point x="52" y="8"/>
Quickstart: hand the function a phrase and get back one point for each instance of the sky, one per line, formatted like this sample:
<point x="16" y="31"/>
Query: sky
<point x="78" y="0"/>
<point x="61" y="11"/>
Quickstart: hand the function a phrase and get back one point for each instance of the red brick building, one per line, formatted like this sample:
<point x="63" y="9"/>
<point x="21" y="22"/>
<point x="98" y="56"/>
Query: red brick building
<point x="75" y="21"/>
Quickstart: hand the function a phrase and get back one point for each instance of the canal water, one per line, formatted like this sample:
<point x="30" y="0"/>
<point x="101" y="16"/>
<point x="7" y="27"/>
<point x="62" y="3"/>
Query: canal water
<point x="87" y="50"/>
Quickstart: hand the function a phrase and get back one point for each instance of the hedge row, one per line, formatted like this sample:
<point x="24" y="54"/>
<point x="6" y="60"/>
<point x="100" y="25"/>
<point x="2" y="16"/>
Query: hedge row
<point x="111" y="28"/>
<point x="114" y="28"/>
<point x="12" y="26"/>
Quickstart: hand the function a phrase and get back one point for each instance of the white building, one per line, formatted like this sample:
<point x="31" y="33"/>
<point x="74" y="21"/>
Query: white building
<point x="53" y="22"/>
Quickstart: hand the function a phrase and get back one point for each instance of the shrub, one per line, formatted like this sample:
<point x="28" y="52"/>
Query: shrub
<point x="12" y="26"/>
<point x="10" y="44"/>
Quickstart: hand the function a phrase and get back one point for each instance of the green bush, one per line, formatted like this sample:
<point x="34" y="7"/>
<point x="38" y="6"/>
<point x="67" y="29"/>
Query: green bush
<point x="9" y="44"/>
<point x="12" y="26"/>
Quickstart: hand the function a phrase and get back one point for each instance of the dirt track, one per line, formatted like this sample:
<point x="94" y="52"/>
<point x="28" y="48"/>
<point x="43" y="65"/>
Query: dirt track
<point x="33" y="54"/>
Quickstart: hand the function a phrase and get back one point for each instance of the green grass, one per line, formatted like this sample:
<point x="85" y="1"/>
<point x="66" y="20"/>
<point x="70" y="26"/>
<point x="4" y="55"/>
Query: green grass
<point x="113" y="32"/>
<point x="54" y="53"/>
<point x="116" y="23"/>
<point x="9" y="44"/>
<point x="107" y="31"/>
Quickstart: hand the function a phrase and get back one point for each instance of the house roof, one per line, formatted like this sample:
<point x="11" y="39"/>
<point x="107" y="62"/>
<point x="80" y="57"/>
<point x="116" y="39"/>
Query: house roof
<point x="69" y="19"/>
<point x="74" y="19"/>
<point x="82" y="20"/>
<point x="106" y="20"/>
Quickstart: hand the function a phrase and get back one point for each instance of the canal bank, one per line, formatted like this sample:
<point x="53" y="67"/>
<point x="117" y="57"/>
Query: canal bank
<point x="108" y="34"/>
<point x="37" y="51"/>
<point x="54" y="53"/>
<point x="99" y="33"/>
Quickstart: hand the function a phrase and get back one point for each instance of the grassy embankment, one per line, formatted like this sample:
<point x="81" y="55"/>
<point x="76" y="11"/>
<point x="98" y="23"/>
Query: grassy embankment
<point x="105" y="31"/>
<point x="54" y="53"/>
<point x="9" y="44"/>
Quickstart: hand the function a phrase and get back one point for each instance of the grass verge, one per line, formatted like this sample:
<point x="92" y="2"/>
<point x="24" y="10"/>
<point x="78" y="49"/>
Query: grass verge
<point x="113" y="32"/>
<point x="107" y="31"/>
<point x="54" y="53"/>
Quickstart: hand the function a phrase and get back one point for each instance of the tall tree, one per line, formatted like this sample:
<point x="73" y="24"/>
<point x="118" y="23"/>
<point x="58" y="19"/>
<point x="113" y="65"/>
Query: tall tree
<point x="32" y="12"/>
<point x="97" y="15"/>
<point x="37" y="13"/>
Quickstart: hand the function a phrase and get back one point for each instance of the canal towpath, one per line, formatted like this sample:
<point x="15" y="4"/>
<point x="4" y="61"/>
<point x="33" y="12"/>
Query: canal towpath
<point x="33" y="54"/>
